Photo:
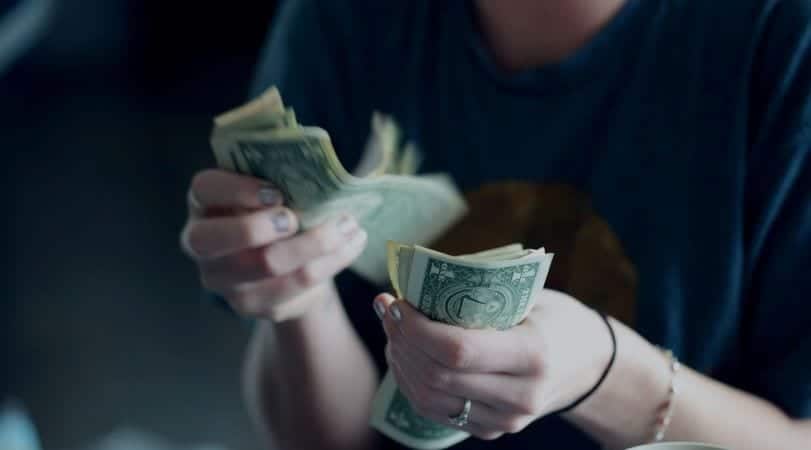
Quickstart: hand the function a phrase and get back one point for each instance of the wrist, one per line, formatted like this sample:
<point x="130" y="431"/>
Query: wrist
<point x="318" y="304"/>
<point x="600" y="366"/>
<point x="630" y="395"/>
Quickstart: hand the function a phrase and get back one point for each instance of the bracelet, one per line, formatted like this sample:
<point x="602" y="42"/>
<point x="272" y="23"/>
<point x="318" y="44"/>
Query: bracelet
<point x="591" y="391"/>
<point x="665" y="412"/>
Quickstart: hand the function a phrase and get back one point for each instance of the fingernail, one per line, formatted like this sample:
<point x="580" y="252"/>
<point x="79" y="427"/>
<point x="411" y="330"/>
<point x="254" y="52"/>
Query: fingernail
<point x="358" y="238"/>
<point x="395" y="313"/>
<point x="347" y="225"/>
<point x="269" y="196"/>
<point x="379" y="309"/>
<point x="281" y="221"/>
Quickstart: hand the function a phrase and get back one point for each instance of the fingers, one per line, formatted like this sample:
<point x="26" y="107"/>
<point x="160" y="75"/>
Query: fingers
<point x="215" y="189"/>
<point x="503" y="403"/>
<point x="251" y="295"/>
<point x="275" y="300"/>
<point x="437" y="406"/>
<point x="328" y="266"/>
<point x="509" y="394"/>
<point x="245" y="244"/>
<point x="501" y="391"/>
<point x="403" y="383"/>
<point x="457" y="348"/>
<point x="285" y="256"/>
<point x="215" y="237"/>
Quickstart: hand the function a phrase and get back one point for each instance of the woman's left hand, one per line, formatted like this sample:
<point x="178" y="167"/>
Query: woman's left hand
<point x="511" y="377"/>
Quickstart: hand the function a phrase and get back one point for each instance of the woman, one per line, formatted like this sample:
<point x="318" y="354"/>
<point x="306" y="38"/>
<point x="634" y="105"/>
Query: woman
<point x="659" y="147"/>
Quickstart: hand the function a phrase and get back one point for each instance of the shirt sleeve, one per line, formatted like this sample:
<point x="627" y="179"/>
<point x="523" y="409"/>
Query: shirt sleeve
<point x="314" y="54"/>
<point x="778" y="213"/>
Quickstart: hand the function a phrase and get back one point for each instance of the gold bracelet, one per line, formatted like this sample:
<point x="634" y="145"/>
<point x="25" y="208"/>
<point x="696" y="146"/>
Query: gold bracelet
<point x="665" y="412"/>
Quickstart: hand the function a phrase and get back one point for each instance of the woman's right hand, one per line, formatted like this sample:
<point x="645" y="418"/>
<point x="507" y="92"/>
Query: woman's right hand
<point x="245" y="244"/>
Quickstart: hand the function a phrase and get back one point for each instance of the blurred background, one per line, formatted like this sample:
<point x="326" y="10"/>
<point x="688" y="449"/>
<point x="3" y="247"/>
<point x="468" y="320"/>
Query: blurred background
<point x="105" y="117"/>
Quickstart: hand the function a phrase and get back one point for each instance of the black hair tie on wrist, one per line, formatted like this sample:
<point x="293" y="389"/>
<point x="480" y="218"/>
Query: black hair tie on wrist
<point x="591" y="391"/>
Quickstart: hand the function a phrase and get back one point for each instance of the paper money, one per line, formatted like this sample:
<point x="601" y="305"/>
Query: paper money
<point x="490" y="289"/>
<point x="262" y="138"/>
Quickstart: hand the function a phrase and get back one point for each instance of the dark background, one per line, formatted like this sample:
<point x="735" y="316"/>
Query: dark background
<point x="104" y="121"/>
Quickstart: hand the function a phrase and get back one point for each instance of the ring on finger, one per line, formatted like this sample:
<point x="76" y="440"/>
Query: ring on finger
<point x="462" y="419"/>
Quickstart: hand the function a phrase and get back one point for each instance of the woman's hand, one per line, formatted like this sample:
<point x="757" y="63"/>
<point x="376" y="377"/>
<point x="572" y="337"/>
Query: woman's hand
<point x="245" y="244"/>
<point x="512" y="377"/>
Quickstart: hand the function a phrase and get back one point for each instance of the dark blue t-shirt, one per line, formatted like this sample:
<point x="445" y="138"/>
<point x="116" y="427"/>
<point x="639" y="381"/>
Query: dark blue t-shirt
<point x="666" y="163"/>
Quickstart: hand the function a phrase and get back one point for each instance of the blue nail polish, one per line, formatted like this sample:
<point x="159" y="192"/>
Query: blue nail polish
<point x="380" y="310"/>
<point x="395" y="313"/>
<point x="270" y="197"/>
<point x="281" y="221"/>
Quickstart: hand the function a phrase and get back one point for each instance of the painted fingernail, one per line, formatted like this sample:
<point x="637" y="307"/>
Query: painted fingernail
<point x="281" y="221"/>
<point x="270" y="197"/>
<point x="347" y="225"/>
<point x="395" y="313"/>
<point x="379" y="309"/>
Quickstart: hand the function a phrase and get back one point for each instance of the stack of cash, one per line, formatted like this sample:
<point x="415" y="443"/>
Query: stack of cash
<point x="491" y="289"/>
<point x="262" y="138"/>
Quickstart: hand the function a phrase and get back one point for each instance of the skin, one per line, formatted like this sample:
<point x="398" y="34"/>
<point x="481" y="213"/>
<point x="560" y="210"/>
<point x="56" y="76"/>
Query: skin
<point x="283" y="279"/>
<point x="510" y="28"/>
<point x="516" y="376"/>
<point x="304" y="338"/>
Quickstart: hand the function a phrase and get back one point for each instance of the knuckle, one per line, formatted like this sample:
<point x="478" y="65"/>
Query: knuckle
<point x="307" y="275"/>
<point x="242" y="302"/>
<point x="438" y="378"/>
<point x="200" y="179"/>
<point x="536" y="364"/>
<point x="460" y="355"/>
<point x="283" y="287"/>
<point x="322" y="240"/>
<point x="268" y="264"/>
<point x="530" y="403"/>
<point x="277" y="314"/>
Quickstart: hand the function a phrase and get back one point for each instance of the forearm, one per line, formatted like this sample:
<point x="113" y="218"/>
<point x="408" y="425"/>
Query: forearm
<point x="309" y="382"/>
<point x="622" y="412"/>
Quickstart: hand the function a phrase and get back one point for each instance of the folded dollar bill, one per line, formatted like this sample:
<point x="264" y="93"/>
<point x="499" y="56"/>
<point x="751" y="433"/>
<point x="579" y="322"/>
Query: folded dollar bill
<point x="263" y="138"/>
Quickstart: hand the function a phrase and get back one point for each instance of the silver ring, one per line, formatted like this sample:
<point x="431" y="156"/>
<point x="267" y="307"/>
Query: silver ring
<point x="463" y="418"/>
